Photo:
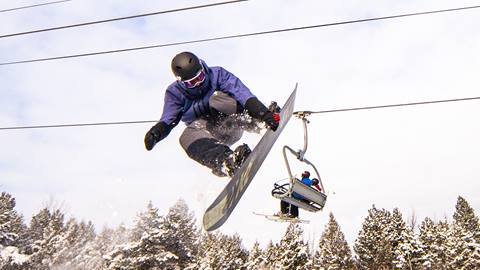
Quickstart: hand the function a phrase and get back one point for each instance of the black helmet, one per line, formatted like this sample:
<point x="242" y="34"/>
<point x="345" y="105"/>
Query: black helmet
<point x="315" y="181"/>
<point x="306" y="174"/>
<point x="185" y="65"/>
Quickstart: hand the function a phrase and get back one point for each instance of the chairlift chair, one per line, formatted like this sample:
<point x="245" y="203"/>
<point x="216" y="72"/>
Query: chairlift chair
<point x="314" y="200"/>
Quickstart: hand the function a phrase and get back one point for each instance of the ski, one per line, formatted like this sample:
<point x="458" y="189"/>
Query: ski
<point x="282" y="218"/>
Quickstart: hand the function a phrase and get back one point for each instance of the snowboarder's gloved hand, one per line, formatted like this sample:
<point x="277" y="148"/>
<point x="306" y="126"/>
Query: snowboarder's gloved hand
<point x="257" y="110"/>
<point x="156" y="134"/>
<point x="271" y="120"/>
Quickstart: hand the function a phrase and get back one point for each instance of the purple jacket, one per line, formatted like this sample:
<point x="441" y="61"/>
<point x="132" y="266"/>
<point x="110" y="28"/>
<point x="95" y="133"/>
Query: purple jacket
<point x="188" y="105"/>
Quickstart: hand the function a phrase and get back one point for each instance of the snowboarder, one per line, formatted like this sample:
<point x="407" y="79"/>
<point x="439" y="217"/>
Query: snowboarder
<point x="209" y="100"/>
<point x="290" y="210"/>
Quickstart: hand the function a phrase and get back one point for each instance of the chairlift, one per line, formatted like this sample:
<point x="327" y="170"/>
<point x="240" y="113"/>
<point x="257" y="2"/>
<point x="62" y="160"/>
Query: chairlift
<point x="314" y="200"/>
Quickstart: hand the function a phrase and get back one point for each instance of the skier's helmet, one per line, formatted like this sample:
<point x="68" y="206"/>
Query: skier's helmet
<point x="306" y="174"/>
<point x="188" y="69"/>
<point x="315" y="181"/>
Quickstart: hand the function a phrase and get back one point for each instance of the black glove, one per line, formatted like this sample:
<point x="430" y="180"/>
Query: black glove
<point x="257" y="110"/>
<point x="156" y="134"/>
<point x="272" y="120"/>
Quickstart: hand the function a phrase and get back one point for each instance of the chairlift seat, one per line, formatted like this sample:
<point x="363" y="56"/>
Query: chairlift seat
<point x="316" y="198"/>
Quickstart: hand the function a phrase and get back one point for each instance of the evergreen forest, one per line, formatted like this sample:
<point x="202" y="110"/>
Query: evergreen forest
<point x="173" y="240"/>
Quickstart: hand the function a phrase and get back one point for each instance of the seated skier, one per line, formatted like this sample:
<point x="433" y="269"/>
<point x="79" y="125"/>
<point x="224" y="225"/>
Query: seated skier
<point x="309" y="182"/>
<point x="290" y="210"/>
<point x="206" y="99"/>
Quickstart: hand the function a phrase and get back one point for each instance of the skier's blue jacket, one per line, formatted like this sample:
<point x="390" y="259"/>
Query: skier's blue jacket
<point x="188" y="105"/>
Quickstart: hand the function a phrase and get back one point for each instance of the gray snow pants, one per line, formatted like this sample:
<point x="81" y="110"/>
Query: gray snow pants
<point x="207" y="140"/>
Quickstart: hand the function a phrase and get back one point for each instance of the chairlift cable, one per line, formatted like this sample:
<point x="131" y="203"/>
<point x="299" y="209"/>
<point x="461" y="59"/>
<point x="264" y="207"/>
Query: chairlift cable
<point x="32" y="6"/>
<point x="298" y="113"/>
<point x="232" y="36"/>
<point x="120" y="18"/>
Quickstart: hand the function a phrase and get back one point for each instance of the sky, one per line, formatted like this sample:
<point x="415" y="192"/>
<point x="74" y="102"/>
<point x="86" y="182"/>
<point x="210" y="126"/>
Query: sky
<point x="419" y="159"/>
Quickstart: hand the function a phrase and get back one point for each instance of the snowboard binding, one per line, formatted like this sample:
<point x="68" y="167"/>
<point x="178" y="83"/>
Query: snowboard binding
<point x="235" y="161"/>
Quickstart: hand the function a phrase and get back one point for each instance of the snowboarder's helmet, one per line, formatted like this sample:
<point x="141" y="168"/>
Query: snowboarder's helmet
<point x="186" y="65"/>
<point x="315" y="181"/>
<point x="306" y="174"/>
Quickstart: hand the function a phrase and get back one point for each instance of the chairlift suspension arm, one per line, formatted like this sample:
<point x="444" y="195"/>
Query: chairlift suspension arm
<point x="305" y="138"/>
<point x="300" y="154"/>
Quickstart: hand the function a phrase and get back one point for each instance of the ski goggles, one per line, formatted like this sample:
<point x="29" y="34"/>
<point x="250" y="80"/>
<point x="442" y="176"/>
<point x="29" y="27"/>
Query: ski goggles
<point x="198" y="79"/>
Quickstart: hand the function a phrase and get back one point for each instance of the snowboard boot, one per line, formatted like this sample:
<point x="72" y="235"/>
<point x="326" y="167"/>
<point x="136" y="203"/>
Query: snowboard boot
<point x="235" y="161"/>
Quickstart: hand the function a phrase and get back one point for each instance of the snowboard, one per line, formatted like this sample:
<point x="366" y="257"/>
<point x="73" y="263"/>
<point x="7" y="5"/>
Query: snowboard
<point x="280" y="218"/>
<point x="219" y="211"/>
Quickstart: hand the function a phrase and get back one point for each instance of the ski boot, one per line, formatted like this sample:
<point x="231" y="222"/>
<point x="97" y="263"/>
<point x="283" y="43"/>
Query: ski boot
<point x="235" y="160"/>
<point x="291" y="216"/>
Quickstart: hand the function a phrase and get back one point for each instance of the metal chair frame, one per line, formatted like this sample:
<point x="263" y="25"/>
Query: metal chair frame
<point x="315" y="200"/>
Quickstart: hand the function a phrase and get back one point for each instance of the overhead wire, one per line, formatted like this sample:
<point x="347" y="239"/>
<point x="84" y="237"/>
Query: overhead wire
<point x="387" y="106"/>
<point x="237" y="36"/>
<point x="32" y="6"/>
<point x="296" y="113"/>
<point x="80" y="124"/>
<point x="120" y="18"/>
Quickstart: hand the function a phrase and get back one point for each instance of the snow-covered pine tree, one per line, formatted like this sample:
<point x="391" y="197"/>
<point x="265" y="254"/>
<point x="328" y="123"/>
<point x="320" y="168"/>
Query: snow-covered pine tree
<point x="11" y="223"/>
<point x="433" y="237"/>
<point x="144" y="221"/>
<point x="65" y="252"/>
<point x="292" y="251"/>
<point x="234" y="254"/>
<point x="75" y="238"/>
<point x="465" y="217"/>
<point x="121" y="235"/>
<point x="38" y="223"/>
<point x="180" y="235"/>
<point x="207" y="256"/>
<point x="91" y="256"/>
<point x="220" y="252"/>
<point x="427" y="239"/>
<point x="334" y="252"/>
<point x="12" y="259"/>
<point x="463" y="247"/>
<point x="12" y="236"/>
<point x="473" y="261"/>
<point x="83" y="245"/>
<point x="46" y="248"/>
<point x="255" y="259"/>
<point x="372" y="246"/>
<point x="407" y="251"/>
<point x="148" y="252"/>
<point x="270" y="256"/>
